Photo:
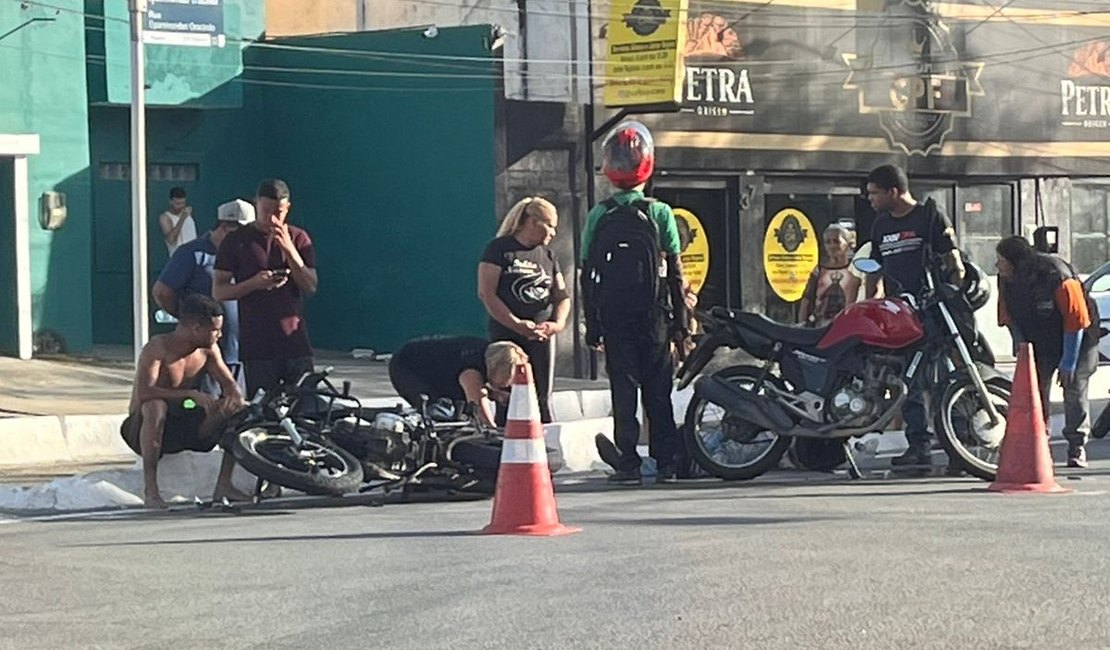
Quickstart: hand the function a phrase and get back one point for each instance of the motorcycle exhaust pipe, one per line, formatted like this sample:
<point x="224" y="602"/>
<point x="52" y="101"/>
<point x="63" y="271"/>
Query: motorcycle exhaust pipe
<point x="760" y="410"/>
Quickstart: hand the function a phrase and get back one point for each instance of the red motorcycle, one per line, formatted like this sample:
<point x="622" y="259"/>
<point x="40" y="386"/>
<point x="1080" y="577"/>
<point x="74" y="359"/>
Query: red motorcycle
<point x="848" y="379"/>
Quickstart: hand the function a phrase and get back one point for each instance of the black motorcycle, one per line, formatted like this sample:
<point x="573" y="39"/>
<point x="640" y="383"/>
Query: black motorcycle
<point x="315" y="438"/>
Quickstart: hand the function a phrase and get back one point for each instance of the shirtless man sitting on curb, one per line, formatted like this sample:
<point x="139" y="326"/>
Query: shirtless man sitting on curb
<point x="167" y="413"/>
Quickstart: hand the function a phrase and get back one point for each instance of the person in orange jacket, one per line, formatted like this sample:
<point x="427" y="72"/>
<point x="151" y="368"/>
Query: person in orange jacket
<point x="1045" y="304"/>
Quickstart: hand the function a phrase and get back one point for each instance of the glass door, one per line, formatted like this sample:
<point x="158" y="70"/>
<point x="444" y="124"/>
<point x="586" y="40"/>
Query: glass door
<point x="822" y="202"/>
<point x="707" y="226"/>
<point x="986" y="214"/>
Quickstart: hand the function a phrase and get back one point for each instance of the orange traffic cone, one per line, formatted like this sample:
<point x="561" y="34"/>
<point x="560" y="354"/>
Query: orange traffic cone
<point x="524" y="503"/>
<point x="1025" y="464"/>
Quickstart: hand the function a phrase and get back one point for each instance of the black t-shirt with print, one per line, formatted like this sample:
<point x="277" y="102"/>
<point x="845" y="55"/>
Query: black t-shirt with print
<point x="898" y="244"/>
<point x="527" y="276"/>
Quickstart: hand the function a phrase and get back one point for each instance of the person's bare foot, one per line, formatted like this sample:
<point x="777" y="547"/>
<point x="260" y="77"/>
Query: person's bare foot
<point x="231" y="494"/>
<point x="153" y="501"/>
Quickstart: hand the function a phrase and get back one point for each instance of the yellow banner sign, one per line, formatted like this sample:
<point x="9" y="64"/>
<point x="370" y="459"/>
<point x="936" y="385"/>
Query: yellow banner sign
<point x="695" y="248"/>
<point x="646" y="39"/>
<point x="790" y="253"/>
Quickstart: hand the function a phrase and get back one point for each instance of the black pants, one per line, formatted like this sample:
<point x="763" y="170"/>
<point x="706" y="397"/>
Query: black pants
<point x="541" y="356"/>
<point x="409" y="384"/>
<point x="915" y="412"/>
<point x="267" y="374"/>
<point x="642" y="364"/>
<point x="180" y="432"/>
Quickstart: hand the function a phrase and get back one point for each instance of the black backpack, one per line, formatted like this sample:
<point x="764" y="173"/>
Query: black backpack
<point x="621" y="279"/>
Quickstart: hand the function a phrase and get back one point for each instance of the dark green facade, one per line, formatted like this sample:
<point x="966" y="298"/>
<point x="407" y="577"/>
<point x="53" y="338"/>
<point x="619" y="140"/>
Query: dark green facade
<point x="388" y="149"/>
<point x="43" y="91"/>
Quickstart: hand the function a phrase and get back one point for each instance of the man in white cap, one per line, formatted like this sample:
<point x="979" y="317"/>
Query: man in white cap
<point x="191" y="268"/>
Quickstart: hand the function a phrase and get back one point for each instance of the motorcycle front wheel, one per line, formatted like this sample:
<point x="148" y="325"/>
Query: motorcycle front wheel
<point x="316" y="467"/>
<point x="964" y="428"/>
<point x="726" y="446"/>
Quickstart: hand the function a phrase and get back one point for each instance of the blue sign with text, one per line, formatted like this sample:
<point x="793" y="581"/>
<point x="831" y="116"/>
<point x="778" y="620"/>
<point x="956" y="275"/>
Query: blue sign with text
<point x="195" y="23"/>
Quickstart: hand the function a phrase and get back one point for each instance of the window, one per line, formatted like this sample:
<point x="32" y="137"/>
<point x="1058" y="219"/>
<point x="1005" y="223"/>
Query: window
<point x="1089" y="233"/>
<point x="1102" y="282"/>
<point x="984" y="216"/>
<point x="157" y="172"/>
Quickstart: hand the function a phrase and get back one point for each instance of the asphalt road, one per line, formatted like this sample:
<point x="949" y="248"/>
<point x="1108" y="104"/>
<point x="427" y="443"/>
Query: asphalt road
<point x="789" y="561"/>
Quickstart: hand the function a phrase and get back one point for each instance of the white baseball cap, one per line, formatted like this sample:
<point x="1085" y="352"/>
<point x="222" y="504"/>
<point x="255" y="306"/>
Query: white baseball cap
<point x="239" y="211"/>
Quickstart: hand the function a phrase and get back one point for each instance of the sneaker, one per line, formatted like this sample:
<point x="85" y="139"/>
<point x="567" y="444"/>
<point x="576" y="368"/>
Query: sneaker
<point x="1077" y="457"/>
<point x="914" y="457"/>
<point x="625" y="477"/>
<point x="666" y="474"/>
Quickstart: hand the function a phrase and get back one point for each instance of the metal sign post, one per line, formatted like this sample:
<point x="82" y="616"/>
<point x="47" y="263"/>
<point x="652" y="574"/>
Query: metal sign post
<point x="141" y="330"/>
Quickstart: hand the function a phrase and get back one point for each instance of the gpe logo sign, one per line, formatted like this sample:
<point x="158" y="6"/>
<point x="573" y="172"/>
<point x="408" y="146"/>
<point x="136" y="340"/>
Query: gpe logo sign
<point x="646" y="17"/>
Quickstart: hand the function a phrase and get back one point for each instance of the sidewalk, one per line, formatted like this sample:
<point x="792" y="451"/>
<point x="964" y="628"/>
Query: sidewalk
<point x="61" y="416"/>
<point x="101" y="384"/>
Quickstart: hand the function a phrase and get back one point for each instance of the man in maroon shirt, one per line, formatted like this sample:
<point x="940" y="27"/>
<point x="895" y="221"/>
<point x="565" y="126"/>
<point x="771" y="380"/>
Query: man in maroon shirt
<point x="273" y="266"/>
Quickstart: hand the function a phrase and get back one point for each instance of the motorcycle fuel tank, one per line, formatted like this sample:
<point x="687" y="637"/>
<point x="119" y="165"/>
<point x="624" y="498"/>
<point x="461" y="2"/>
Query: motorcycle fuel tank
<point x="885" y="323"/>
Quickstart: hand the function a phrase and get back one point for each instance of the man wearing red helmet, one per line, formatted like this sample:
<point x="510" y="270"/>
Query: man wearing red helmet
<point x="633" y="294"/>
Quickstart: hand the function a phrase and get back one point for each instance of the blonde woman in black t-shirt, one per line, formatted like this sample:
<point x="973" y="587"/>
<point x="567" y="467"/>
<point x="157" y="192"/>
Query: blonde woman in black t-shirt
<point x="458" y="368"/>
<point x="523" y="289"/>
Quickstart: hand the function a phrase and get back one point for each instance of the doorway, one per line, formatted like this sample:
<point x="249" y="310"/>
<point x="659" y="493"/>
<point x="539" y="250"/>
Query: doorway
<point x="9" y="306"/>
<point x="708" y="201"/>
<point x="823" y="203"/>
<point x="984" y="215"/>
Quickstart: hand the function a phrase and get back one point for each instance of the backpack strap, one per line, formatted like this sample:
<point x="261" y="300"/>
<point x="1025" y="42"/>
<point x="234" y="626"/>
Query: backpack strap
<point x="612" y="204"/>
<point x="643" y="205"/>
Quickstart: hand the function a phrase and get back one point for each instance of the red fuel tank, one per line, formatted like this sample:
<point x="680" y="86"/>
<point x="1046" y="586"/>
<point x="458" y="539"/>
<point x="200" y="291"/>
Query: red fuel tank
<point x="885" y="323"/>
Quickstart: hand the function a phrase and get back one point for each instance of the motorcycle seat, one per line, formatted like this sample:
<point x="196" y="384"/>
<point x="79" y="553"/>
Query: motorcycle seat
<point x="803" y="337"/>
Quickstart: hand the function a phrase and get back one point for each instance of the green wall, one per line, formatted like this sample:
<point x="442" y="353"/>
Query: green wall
<point x="176" y="76"/>
<point x="391" y="165"/>
<point x="393" y="176"/>
<point x="216" y="141"/>
<point x="181" y="82"/>
<point x="43" y="91"/>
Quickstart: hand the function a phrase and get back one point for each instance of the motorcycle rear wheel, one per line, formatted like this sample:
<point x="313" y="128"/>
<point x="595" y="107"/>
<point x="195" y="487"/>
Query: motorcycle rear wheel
<point x="317" y="468"/>
<point x="961" y="426"/>
<point x="716" y="441"/>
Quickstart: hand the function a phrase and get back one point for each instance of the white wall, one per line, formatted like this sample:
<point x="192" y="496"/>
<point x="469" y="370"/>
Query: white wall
<point x="538" y="65"/>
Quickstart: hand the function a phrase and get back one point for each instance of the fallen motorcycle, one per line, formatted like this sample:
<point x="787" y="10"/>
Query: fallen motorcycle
<point x="315" y="438"/>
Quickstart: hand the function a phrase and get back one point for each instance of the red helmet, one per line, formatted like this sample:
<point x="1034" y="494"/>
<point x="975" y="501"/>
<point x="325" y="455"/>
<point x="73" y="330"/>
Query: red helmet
<point x="628" y="155"/>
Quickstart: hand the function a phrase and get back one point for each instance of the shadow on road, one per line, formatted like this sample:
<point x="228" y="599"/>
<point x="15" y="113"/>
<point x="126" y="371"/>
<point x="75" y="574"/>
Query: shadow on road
<point x="709" y="521"/>
<point x="285" y="538"/>
<point x="279" y="506"/>
<point x="815" y="486"/>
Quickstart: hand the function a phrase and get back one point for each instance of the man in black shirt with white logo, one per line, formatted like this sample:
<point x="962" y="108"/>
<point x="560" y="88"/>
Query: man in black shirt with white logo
<point x="904" y="234"/>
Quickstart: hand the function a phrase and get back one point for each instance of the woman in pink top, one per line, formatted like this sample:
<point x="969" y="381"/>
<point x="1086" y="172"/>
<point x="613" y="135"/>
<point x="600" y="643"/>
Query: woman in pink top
<point x="832" y="286"/>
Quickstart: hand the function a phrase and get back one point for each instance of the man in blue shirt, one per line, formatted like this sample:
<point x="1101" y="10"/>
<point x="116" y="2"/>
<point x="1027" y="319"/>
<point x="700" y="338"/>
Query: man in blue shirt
<point x="190" y="271"/>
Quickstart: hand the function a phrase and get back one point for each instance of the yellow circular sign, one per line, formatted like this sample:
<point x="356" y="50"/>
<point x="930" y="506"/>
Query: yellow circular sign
<point x="694" y="243"/>
<point x="790" y="253"/>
